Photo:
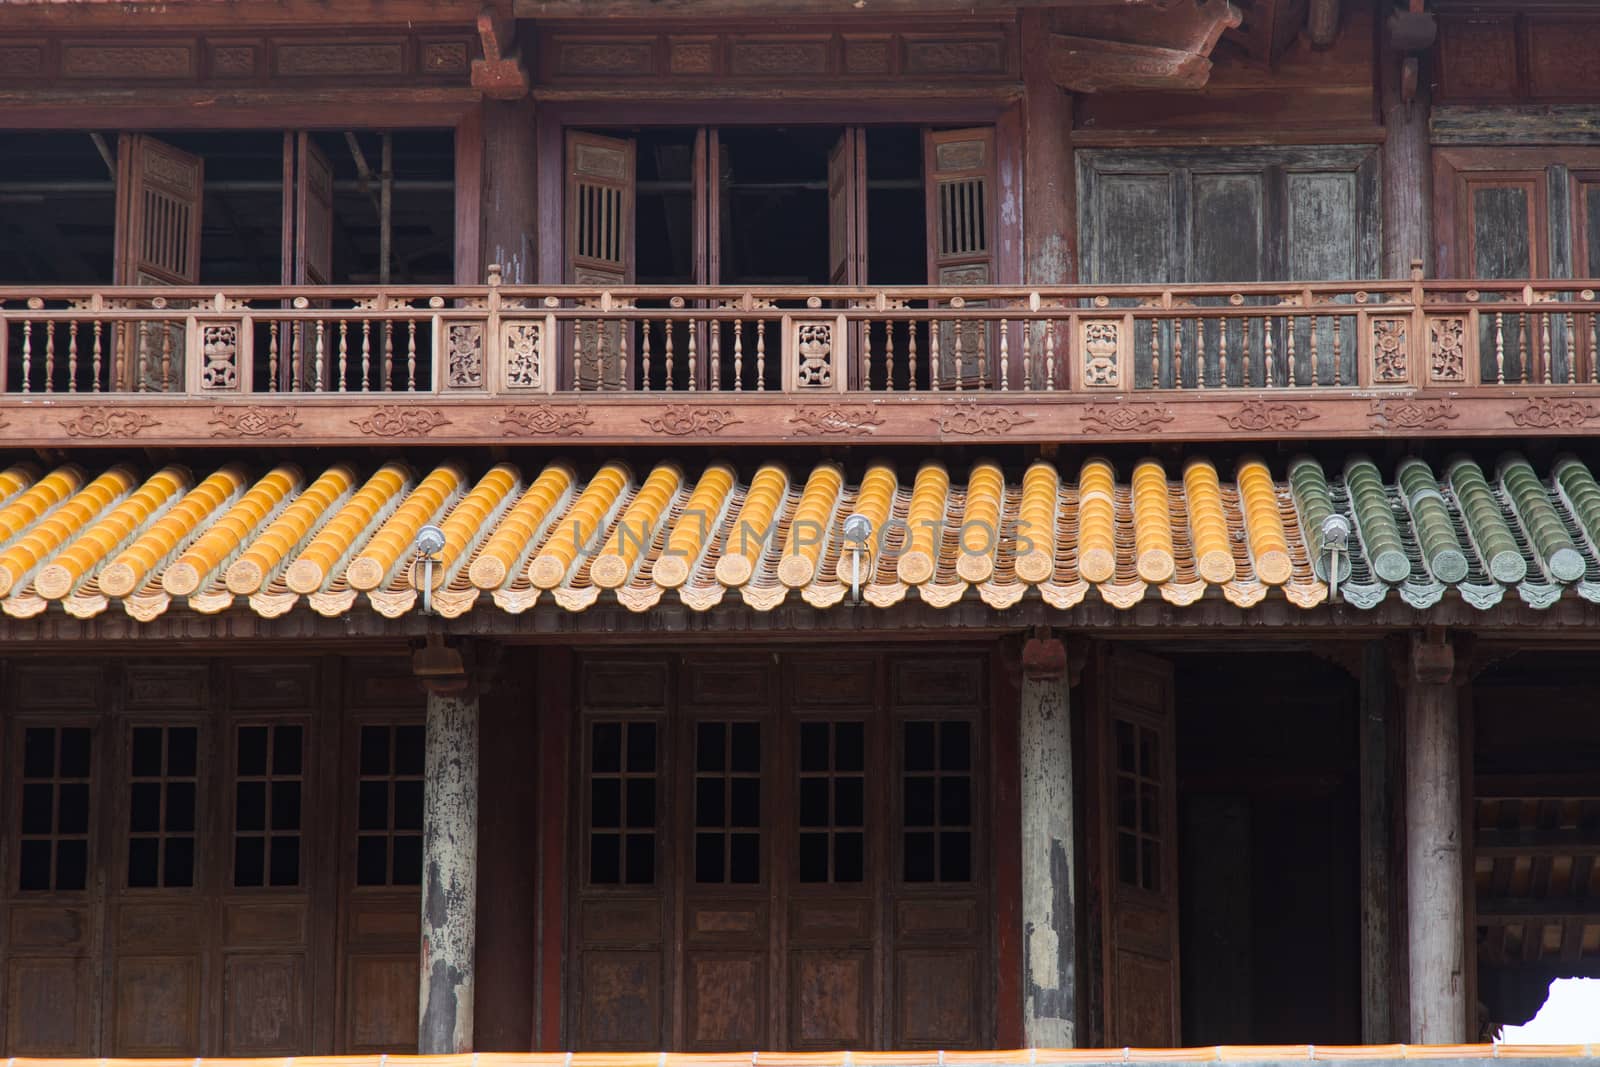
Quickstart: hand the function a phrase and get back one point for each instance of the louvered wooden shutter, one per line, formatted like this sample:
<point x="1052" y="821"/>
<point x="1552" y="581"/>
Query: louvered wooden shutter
<point x="158" y="220"/>
<point x="959" y="174"/>
<point x="313" y="216"/>
<point x="157" y="240"/>
<point x="600" y="246"/>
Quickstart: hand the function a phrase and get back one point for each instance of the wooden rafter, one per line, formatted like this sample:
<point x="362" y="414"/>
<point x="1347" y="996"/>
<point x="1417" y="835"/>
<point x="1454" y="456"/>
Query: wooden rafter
<point x="1100" y="51"/>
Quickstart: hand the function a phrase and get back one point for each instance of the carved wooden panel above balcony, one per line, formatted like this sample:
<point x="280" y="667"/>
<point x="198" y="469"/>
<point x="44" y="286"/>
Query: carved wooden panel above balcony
<point x="234" y="59"/>
<point x="578" y="56"/>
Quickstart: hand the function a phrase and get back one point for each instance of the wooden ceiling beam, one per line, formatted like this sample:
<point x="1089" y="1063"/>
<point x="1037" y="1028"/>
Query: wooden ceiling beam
<point x="198" y="15"/>
<point x="1099" y="52"/>
<point x="655" y="9"/>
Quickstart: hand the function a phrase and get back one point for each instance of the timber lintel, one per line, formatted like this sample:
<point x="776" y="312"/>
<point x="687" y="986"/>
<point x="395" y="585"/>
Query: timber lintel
<point x="1087" y="65"/>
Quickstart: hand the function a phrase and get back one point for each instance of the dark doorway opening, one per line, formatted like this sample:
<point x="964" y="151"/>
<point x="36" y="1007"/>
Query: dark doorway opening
<point x="1268" y="849"/>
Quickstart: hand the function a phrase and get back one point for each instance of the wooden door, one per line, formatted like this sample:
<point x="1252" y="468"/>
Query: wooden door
<point x="313" y="214"/>
<point x="1135" y="828"/>
<point x="847" y="209"/>
<point x="157" y="242"/>
<point x="959" y="176"/>
<point x="601" y="178"/>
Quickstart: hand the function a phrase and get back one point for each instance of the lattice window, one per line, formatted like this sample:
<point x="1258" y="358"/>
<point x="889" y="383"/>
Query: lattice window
<point x="936" y="801"/>
<point x="1138" y="800"/>
<point x="727" y="803"/>
<point x="832" y="802"/>
<point x="54" y="840"/>
<point x="389" y="805"/>
<point x="623" y="760"/>
<point x="163" y="785"/>
<point x="269" y="787"/>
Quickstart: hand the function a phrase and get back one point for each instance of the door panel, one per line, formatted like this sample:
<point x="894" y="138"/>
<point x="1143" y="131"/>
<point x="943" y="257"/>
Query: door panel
<point x="847" y="209"/>
<point x="157" y="240"/>
<point x="1505" y="235"/>
<point x="313" y="229"/>
<point x="601" y="177"/>
<point x="959" y="173"/>
<point x="1136" y="810"/>
<point x="1133" y="215"/>
<point x="1227" y="226"/>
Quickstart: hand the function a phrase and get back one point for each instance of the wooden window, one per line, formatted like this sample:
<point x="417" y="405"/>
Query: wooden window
<point x="55" y="809"/>
<point x="269" y="783"/>
<point x="1139" y="804"/>
<point x="832" y="802"/>
<point x="727" y="803"/>
<point x="622" y="803"/>
<point x="1588" y="226"/>
<point x="389" y="805"/>
<point x="163" y="785"/>
<point x="936" y="801"/>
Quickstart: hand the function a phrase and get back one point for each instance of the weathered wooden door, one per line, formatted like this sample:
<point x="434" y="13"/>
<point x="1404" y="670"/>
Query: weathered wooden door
<point x="601" y="178"/>
<point x="959" y="176"/>
<point x="157" y="242"/>
<point x="1135" y="831"/>
<point x="313" y="214"/>
<point x="847" y="209"/>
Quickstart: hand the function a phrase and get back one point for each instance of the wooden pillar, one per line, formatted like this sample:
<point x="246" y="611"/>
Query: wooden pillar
<point x="510" y="189"/>
<point x="449" y="873"/>
<point x="1435" y="886"/>
<point x="469" y="199"/>
<point x="1407" y="159"/>
<point x="1377" y="802"/>
<point x="1049" y="245"/>
<point x="1049" y="994"/>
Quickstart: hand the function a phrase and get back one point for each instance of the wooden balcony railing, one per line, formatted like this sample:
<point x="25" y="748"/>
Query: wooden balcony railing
<point x="507" y="341"/>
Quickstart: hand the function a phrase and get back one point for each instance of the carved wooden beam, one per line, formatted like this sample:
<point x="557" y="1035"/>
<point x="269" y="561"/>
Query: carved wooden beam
<point x="500" y="73"/>
<point x="1106" y="50"/>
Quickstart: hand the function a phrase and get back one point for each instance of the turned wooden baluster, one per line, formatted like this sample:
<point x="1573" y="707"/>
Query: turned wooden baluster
<point x="1244" y="352"/>
<point x="1268" y="369"/>
<point x="318" y="358"/>
<point x="956" y="343"/>
<point x="27" y="355"/>
<point x="1499" y="348"/>
<point x="344" y="353"/>
<point x="865" y="332"/>
<point x="1027" y="356"/>
<point x="1222" y="353"/>
<point x="761" y="355"/>
<point x="1177" y="353"/>
<point x="1050" y="355"/>
<point x="1338" y="350"/>
<point x="1202" y="373"/>
<point x="690" y="359"/>
<point x="166" y="359"/>
<point x="1314" y="327"/>
<point x="72" y="356"/>
<point x="1544" y="344"/>
<point x="666" y="353"/>
<point x="411" y="356"/>
<point x="1289" y="357"/>
<point x="1005" y="356"/>
<point x="387" y="383"/>
<point x="142" y="362"/>
<point x="1594" y="348"/>
<point x="738" y="355"/>
<point x="272" y="357"/>
<point x="1572" y="349"/>
<point x="911" y="355"/>
<point x="888" y="354"/>
<point x="715" y="337"/>
<point x="1524" y="372"/>
<point x="1155" y="353"/>
<point x="99" y="356"/>
<point x="366" y="355"/>
<point x="644" y="355"/>
<point x="49" y="356"/>
<point x="933" y="354"/>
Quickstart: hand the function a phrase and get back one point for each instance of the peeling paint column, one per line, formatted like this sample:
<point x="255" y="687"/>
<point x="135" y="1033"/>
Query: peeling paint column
<point x="1049" y="992"/>
<point x="449" y="874"/>
<point x="1435" y="889"/>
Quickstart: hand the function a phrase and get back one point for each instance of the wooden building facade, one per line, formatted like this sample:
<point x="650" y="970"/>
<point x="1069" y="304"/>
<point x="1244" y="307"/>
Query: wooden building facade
<point x="625" y="526"/>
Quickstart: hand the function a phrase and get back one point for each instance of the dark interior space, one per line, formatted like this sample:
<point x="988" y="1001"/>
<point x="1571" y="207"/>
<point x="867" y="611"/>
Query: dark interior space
<point x="1536" y="830"/>
<point x="58" y="206"/>
<point x="1268" y="820"/>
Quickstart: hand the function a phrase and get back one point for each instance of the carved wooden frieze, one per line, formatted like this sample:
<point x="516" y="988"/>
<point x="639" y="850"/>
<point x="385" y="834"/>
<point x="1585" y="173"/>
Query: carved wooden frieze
<point x="957" y="54"/>
<point x="1126" y="418"/>
<point x="1391" y="362"/>
<point x="544" y="420"/>
<point x="396" y="420"/>
<point x="1410" y="414"/>
<point x="1546" y="413"/>
<point x="679" y="420"/>
<point x="836" y="419"/>
<point x="254" y="420"/>
<point x="108" y="422"/>
<point x="972" y="420"/>
<point x="1447" y="354"/>
<point x="231" y="58"/>
<point x="1262" y="414"/>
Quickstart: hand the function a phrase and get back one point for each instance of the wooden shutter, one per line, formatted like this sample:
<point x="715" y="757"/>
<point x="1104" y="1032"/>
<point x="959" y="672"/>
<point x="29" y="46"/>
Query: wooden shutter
<point x="313" y="214"/>
<point x="1136" y="832"/>
<point x="959" y="177"/>
<point x="158" y="213"/>
<point x="847" y="209"/>
<point x="600" y="247"/>
<point x="157" y="242"/>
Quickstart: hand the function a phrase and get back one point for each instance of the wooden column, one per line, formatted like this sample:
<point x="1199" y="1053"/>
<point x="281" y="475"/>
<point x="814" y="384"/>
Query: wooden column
<point x="1049" y="245"/>
<point x="1377" y="804"/>
<point x="510" y="189"/>
<point x="449" y="872"/>
<point x="1049" y="995"/>
<point x="1435" y="889"/>
<point x="1407" y="159"/>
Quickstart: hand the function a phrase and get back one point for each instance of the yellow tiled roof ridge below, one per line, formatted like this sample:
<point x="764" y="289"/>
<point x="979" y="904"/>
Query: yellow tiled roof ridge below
<point x="923" y="1058"/>
<point x="337" y="537"/>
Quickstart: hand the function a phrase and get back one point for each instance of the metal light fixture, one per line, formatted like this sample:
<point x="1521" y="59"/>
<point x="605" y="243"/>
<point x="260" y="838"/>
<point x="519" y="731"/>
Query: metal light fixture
<point x="1336" y="550"/>
<point x="857" y="530"/>
<point x="429" y="542"/>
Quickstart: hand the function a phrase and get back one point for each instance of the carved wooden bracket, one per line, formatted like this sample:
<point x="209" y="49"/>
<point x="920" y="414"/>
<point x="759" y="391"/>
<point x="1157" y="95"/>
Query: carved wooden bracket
<point x="500" y="74"/>
<point x="1171" y="50"/>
